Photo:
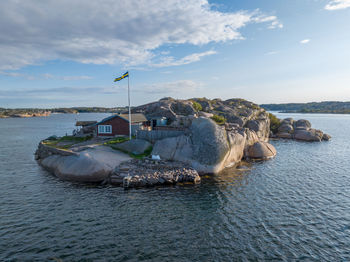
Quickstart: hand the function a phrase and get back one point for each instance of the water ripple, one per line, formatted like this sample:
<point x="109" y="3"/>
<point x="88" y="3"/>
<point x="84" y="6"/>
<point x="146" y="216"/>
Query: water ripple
<point x="292" y="208"/>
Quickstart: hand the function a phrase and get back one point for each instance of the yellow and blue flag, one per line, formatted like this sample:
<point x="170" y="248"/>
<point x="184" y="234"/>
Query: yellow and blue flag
<point x="121" y="77"/>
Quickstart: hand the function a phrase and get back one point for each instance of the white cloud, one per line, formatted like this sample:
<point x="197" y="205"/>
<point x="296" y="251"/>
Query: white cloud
<point x="163" y="88"/>
<point x="168" y="88"/>
<point x="337" y="5"/>
<point x="272" y="53"/>
<point x="45" y="76"/>
<point x="171" y="61"/>
<point x="305" y="41"/>
<point x="112" y="31"/>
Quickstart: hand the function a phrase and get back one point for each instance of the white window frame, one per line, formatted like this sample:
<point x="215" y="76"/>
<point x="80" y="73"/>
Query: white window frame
<point x="104" y="129"/>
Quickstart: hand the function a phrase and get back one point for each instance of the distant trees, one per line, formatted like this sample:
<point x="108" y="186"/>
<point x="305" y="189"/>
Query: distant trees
<point x="332" y="107"/>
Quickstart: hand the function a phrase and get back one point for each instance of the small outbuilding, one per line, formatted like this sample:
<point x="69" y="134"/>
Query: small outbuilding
<point x="117" y="125"/>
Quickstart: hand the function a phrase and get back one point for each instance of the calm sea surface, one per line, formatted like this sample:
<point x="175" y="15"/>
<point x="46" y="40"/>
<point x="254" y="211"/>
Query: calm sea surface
<point x="292" y="208"/>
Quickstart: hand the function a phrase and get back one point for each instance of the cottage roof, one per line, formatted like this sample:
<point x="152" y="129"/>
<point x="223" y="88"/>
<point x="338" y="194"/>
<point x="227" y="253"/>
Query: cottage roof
<point x="135" y="118"/>
<point x="85" y="123"/>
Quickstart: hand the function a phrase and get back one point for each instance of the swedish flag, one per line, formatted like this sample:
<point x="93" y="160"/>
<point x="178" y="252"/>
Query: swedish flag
<point x="122" y="77"/>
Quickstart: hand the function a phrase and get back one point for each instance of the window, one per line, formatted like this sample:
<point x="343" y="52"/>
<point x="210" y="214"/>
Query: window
<point x="105" y="129"/>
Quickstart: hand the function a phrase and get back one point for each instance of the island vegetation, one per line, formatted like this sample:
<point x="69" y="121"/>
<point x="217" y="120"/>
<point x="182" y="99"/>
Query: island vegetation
<point x="329" y="107"/>
<point x="201" y="136"/>
<point x="36" y="112"/>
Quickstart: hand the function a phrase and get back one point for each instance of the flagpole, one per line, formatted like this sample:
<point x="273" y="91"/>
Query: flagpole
<point x="129" y="108"/>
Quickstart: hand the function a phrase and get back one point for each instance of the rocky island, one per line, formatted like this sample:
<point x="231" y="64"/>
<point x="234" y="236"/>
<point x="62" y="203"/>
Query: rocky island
<point x="196" y="136"/>
<point x="23" y="113"/>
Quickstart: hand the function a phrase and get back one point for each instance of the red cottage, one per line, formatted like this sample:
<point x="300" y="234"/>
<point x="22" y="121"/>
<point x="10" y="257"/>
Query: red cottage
<point x="117" y="125"/>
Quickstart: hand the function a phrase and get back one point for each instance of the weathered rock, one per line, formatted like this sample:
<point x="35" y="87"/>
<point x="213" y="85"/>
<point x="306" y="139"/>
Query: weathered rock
<point x="288" y="121"/>
<point x="205" y="114"/>
<point x="261" y="127"/>
<point x="210" y="144"/>
<point x="174" y="148"/>
<point x="284" y="135"/>
<point x="261" y="151"/>
<point x="251" y="138"/>
<point x="205" y="104"/>
<point x="166" y="107"/>
<point x="135" y="146"/>
<point x="208" y="148"/>
<point x="92" y="165"/>
<point x="285" y="128"/>
<point x="150" y="173"/>
<point x="300" y="130"/>
<point x="237" y="111"/>
<point x="302" y="124"/>
<point x="44" y="151"/>
<point x="308" y="135"/>
<point x="326" y="137"/>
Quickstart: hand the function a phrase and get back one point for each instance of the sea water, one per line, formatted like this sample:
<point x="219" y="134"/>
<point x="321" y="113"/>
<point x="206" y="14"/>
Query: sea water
<point x="293" y="207"/>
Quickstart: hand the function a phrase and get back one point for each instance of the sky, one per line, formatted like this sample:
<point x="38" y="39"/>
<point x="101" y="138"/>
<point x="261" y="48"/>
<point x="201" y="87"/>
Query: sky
<point x="67" y="53"/>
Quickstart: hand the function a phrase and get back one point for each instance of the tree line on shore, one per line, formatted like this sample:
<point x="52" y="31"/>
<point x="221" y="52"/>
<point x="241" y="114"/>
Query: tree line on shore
<point x="27" y="112"/>
<point x="331" y="107"/>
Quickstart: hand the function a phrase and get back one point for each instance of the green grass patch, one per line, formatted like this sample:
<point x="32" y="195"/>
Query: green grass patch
<point x="275" y="123"/>
<point x="220" y="120"/>
<point x="73" y="139"/>
<point x="116" y="140"/>
<point x="197" y="106"/>
<point x="147" y="152"/>
<point x="50" y="142"/>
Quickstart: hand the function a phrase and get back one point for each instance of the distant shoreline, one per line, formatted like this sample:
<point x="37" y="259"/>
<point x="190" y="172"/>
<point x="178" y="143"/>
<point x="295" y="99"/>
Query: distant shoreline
<point x="35" y="112"/>
<point x="321" y="112"/>
<point x="327" y="107"/>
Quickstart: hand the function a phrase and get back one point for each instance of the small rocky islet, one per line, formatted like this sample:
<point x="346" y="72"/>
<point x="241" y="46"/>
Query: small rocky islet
<point x="215" y="134"/>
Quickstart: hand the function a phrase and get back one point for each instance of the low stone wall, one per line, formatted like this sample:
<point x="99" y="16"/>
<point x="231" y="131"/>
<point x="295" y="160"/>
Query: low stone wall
<point x="44" y="151"/>
<point x="154" y="135"/>
<point x="146" y="172"/>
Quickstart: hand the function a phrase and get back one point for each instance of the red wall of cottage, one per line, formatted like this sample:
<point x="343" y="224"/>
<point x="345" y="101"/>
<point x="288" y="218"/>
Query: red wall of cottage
<point x="119" y="127"/>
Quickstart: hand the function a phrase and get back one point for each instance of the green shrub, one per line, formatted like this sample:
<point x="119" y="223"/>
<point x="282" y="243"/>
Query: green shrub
<point x="74" y="138"/>
<point x="197" y="106"/>
<point x="117" y="140"/>
<point x="147" y="152"/>
<point x="275" y="123"/>
<point x="219" y="119"/>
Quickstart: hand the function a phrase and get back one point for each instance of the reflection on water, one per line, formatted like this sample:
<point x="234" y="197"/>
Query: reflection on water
<point x="294" y="207"/>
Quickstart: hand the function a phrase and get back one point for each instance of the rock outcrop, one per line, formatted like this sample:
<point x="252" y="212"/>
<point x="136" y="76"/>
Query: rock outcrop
<point x="235" y="111"/>
<point x="91" y="165"/>
<point x="147" y="172"/>
<point x="134" y="146"/>
<point x="214" y="134"/>
<point x="208" y="148"/>
<point x="261" y="151"/>
<point x="300" y="130"/>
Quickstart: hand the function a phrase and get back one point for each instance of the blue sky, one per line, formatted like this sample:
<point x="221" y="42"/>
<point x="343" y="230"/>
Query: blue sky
<point x="67" y="53"/>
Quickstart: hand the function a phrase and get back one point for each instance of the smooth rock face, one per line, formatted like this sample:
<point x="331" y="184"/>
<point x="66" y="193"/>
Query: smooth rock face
<point x="300" y="130"/>
<point x="308" y="135"/>
<point x="135" y="146"/>
<point x="174" y="148"/>
<point x="92" y="165"/>
<point x="285" y="135"/>
<point x="208" y="148"/>
<point x="261" y="127"/>
<point x="261" y="150"/>
<point x="210" y="143"/>
<point x="302" y="124"/>
<point x="288" y="121"/>
<point x="326" y="137"/>
<point x="285" y="128"/>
